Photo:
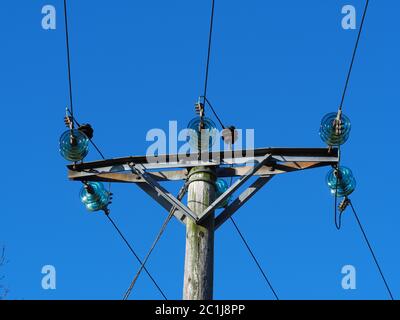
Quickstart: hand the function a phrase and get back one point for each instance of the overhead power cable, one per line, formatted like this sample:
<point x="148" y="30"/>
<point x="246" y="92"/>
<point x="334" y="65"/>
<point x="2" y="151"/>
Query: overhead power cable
<point x="136" y="256"/>
<point x="160" y="233"/>
<point x="338" y="220"/>
<point x="214" y="112"/>
<point x="371" y="250"/>
<point x="70" y="110"/>
<point x="249" y="248"/>
<point x="68" y="59"/>
<point x="204" y="96"/>
<point x="354" y="55"/>
<point x="209" y="48"/>
<point x="71" y="104"/>
<point x="254" y="258"/>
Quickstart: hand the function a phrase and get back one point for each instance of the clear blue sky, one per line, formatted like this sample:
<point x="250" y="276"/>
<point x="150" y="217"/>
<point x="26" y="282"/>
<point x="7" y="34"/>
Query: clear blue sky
<point x="277" y="67"/>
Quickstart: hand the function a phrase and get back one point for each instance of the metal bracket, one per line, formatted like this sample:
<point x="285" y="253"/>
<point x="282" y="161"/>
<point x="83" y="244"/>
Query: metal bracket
<point x="158" y="193"/>
<point x="241" y="200"/>
<point x="162" y="201"/>
<point x="235" y="186"/>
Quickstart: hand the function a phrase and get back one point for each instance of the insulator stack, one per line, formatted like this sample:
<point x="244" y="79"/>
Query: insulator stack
<point x="199" y="109"/>
<point x="204" y="138"/>
<point x="341" y="180"/>
<point x="68" y="121"/>
<point x="335" y="129"/>
<point x="95" y="197"/>
<point x="220" y="187"/>
<point x="74" y="145"/>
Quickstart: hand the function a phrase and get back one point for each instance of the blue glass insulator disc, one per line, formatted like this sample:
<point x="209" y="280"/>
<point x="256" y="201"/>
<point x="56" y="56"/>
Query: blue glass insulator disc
<point x="205" y="138"/>
<point x="329" y="133"/>
<point x="74" y="145"/>
<point x="344" y="182"/>
<point x="220" y="187"/>
<point x="97" y="198"/>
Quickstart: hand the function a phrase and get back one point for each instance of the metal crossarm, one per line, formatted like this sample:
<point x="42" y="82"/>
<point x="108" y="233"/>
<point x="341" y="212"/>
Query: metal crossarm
<point x="323" y="156"/>
<point x="148" y="175"/>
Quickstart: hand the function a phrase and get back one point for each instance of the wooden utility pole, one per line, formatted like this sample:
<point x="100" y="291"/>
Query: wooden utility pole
<point x="199" y="258"/>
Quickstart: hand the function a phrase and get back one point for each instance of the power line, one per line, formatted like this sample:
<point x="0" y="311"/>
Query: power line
<point x="371" y="250"/>
<point x="68" y="58"/>
<point x="142" y="266"/>
<point x="215" y="113"/>
<point x="338" y="222"/>
<point x="254" y="258"/>
<point x="208" y="65"/>
<point x="222" y="125"/>
<point x="248" y="246"/>
<point x="71" y="108"/>
<point x="136" y="256"/>
<point x="71" y="112"/>
<point x="354" y="55"/>
<point x="209" y="48"/>
<point x="338" y="225"/>
<point x="163" y="227"/>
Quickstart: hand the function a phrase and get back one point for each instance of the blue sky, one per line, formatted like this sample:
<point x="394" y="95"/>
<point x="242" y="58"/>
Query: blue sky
<point x="277" y="67"/>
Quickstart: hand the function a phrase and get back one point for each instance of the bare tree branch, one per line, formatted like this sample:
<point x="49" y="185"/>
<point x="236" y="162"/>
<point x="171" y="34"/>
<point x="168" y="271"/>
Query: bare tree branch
<point x="3" y="289"/>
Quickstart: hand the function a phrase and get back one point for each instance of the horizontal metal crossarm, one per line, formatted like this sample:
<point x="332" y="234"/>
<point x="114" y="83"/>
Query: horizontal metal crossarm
<point x="241" y="200"/>
<point x="182" y="174"/>
<point x="282" y="160"/>
<point x="234" y="187"/>
<point x="127" y="177"/>
<point x="156" y="191"/>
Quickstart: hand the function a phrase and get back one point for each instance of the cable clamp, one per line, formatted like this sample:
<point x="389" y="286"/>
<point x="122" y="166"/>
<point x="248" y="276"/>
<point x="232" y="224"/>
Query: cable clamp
<point x="344" y="204"/>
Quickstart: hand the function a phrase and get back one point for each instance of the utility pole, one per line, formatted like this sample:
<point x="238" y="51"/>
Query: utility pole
<point x="199" y="258"/>
<point x="199" y="216"/>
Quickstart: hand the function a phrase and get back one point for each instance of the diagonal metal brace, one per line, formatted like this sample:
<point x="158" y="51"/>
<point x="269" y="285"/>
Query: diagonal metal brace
<point x="235" y="186"/>
<point x="156" y="191"/>
<point x="163" y="202"/>
<point x="241" y="200"/>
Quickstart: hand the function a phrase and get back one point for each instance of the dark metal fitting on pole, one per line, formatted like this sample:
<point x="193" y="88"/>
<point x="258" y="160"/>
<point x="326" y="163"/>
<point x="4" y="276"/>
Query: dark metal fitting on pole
<point x="88" y="188"/>
<point x="204" y="174"/>
<point x="344" y="204"/>
<point x="69" y="122"/>
<point x="338" y="123"/>
<point x="230" y="135"/>
<point x="87" y="130"/>
<point x="337" y="173"/>
<point x="199" y="108"/>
